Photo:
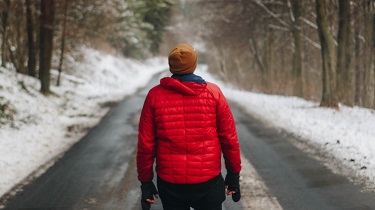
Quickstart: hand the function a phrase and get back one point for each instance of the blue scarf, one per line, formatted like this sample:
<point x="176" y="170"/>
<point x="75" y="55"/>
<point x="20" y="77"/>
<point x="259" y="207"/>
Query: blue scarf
<point x="189" y="78"/>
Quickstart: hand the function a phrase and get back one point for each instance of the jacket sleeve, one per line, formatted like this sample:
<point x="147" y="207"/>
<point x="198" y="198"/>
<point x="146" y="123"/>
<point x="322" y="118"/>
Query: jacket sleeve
<point x="226" y="129"/>
<point x="146" y="143"/>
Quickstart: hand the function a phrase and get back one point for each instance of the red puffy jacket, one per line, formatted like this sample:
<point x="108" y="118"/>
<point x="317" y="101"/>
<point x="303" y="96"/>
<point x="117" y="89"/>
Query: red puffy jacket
<point x="186" y="126"/>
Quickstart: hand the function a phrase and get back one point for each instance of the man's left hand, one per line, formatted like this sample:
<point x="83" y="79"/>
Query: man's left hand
<point x="148" y="192"/>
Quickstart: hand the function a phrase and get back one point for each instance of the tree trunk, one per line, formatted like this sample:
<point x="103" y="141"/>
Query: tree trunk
<point x="4" y="18"/>
<point x="46" y="44"/>
<point x="62" y="43"/>
<point x="327" y="50"/>
<point x="368" y="68"/>
<point x="257" y="55"/>
<point x="298" y="52"/>
<point x="223" y="63"/>
<point x="358" y="68"/>
<point x="20" y="48"/>
<point x="373" y="56"/>
<point x="345" y="74"/>
<point x="31" y="63"/>
<point x="268" y="61"/>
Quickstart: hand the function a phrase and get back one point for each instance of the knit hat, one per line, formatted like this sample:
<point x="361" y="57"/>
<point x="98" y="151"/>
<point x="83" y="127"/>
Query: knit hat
<point x="182" y="59"/>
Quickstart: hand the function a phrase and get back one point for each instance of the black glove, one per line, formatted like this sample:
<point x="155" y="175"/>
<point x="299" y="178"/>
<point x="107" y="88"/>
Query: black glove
<point x="148" y="192"/>
<point x="232" y="180"/>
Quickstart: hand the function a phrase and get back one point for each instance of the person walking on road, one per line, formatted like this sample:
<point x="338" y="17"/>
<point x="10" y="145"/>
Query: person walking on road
<point x="186" y="124"/>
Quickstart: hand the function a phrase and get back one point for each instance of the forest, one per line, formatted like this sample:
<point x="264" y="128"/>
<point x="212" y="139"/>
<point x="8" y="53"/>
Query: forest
<point x="37" y="35"/>
<point x="321" y="50"/>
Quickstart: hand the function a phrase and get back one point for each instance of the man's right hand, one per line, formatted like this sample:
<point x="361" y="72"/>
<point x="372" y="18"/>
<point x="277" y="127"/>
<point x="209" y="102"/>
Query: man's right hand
<point x="232" y="182"/>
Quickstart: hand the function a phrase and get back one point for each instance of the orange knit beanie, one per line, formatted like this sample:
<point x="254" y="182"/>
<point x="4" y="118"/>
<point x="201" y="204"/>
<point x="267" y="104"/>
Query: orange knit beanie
<point x="182" y="59"/>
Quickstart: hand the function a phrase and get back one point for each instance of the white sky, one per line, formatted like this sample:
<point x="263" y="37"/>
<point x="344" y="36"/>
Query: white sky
<point x="39" y="133"/>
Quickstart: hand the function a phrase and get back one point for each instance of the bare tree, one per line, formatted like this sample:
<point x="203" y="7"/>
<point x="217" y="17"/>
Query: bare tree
<point x="16" y="43"/>
<point x="345" y="74"/>
<point x="31" y="64"/>
<point x="62" y="44"/>
<point x="373" y="55"/>
<point x="21" y="48"/>
<point x="4" y="20"/>
<point x="46" y="44"/>
<point x="358" y="57"/>
<point x="368" y="93"/>
<point x="291" y="46"/>
<point x="327" y="49"/>
<point x="296" y="18"/>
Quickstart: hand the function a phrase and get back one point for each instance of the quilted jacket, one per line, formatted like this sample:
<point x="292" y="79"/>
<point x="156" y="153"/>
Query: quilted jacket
<point x="186" y="126"/>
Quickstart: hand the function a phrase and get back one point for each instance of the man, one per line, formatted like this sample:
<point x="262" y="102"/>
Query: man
<point x="186" y="124"/>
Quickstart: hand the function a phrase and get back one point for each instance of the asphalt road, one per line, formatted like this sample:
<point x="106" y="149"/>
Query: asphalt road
<point x="99" y="171"/>
<point x="298" y="181"/>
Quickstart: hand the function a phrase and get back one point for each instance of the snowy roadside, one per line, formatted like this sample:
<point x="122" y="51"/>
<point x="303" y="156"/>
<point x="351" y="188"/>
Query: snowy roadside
<point x="347" y="135"/>
<point x="45" y="127"/>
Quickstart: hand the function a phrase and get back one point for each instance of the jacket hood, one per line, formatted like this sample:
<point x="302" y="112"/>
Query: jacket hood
<point x="183" y="87"/>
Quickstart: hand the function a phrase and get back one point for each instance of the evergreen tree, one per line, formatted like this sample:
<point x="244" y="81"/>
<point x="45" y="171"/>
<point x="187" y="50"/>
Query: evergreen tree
<point x="157" y="15"/>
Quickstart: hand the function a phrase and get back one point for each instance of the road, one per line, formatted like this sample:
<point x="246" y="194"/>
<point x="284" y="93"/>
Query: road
<point x="99" y="171"/>
<point x="297" y="180"/>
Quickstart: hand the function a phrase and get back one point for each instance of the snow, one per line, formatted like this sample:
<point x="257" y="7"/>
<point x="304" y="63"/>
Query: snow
<point x="46" y="126"/>
<point x="348" y="134"/>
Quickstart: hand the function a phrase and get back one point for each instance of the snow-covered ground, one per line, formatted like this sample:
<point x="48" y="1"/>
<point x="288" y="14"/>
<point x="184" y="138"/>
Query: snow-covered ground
<point x="45" y="127"/>
<point x="347" y="135"/>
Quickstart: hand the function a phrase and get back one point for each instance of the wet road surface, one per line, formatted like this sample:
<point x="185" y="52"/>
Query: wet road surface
<point x="99" y="171"/>
<point x="298" y="181"/>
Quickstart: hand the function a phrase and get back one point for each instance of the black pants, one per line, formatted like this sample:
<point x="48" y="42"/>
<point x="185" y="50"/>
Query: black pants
<point x="204" y="196"/>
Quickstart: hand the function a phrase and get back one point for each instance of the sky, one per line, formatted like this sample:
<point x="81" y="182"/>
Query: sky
<point x="45" y="127"/>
